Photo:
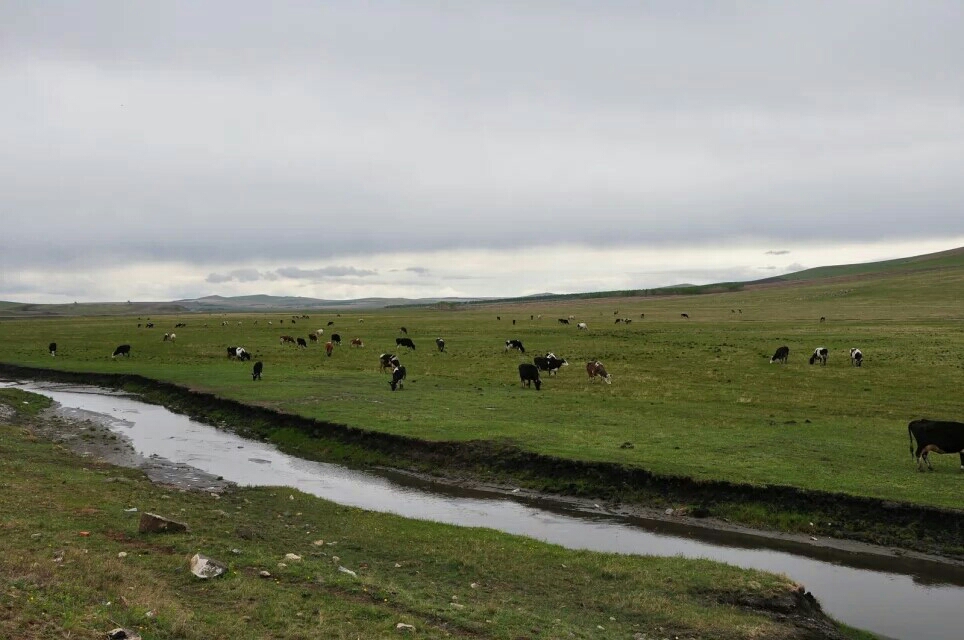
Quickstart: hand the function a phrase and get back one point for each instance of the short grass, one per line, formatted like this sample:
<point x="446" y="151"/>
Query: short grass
<point x="695" y="397"/>
<point x="64" y="525"/>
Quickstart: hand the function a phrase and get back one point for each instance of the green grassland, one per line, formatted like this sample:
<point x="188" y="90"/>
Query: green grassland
<point x="74" y="566"/>
<point x="695" y="397"/>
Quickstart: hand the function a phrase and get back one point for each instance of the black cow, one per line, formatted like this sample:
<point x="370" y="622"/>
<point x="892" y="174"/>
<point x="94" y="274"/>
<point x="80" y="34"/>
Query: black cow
<point x="149" y="325"/>
<point x="336" y="338"/>
<point x="232" y="352"/>
<point x="313" y="337"/>
<point x="403" y="330"/>
<point x="684" y="315"/>
<point x="388" y="361"/>
<point x="122" y="350"/>
<point x="937" y="436"/>
<point x="514" y="344"/>
<point x="820" y="353"/>
<point x="405" y="342"/>
<point x="302" y="343"/>
<point x="529" y="373"/>
<point x="330" y="322"/>
<point x="550" y="363"/>
<point x="398" y="374"/>
<point x="856" y="357"/>
<point x="53" y="348"/>
<point x="563" y="321"/>
<point x="780" y="355"/>
<point x="440" y="344"/>
<point x="181" y="324"/>
<point x="256" y="372"/>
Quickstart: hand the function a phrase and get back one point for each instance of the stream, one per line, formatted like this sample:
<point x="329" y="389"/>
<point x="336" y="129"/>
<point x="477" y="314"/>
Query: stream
<point x="895" y="597"/>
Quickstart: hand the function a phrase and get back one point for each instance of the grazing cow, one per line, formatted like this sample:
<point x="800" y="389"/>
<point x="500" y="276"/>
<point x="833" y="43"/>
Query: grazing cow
<point x="329" y="347"/>
<point x="330" y="322"/>
<point x="256" y="372"/>
<point x="498" y="317"/>
<point x="856" y="357"/>
<point x="403" y="330"/>
<point x="179" y="325"/>
<point x="823" y="319"/>
<point x="550" y="363"/>
<point x="563" y="321"/>
<point x="582" y="326"/>
<point x="232" y="352"/>
<point x="684" y="315"/>
<point x="596" y="369"/>
<point x="313" y="337"/>
<point x="405" y="342"/>
<point x="336" y="338"/>
<point x="286" y="339"/>
<point x="302" y="343"/>
<point x="820" y="353"/>
<point x="388" y="361"/>
<point x="780" y="355"/>
<point x="122" y="350"/>
<point x="138" y="325"/>
<point x="52" y="347"/>
<point x="572" y="317"/>
<point x="149" y="325"/>
<point x="398" y="374"/>
<point x="618" y="320"/>
<point x="529" y="373"/>
<point x="627" y="320"/>
<point x="356" y="342"/>
<point x="514" y="344"/>
<point x="169" y="337"/>
<point x="440" y="344"/>
<point x="936" y="436"/>
<point x="243" y="355"/>
<point x="642" y="315"/>
<point x="616" y="312"/>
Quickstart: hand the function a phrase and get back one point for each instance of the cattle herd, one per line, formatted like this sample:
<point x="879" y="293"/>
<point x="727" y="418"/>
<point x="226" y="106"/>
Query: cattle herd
<point x="931" y="436"/>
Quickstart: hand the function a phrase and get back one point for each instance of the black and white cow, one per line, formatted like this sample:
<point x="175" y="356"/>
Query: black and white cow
<point x="336" y="338"/>
<point x="563" y="321"/>
<point x="440" y="344"/>
<point x="405" y="342"/>
<point x="820" y="353"/>
<point x="780" y="355"/>
<point x="550" y="363"/>
<point x="388" y="361"/>
<point x="856" y="357"/>
<point x="256" y="372"/>
<point x="514" y="344"/>
<point x="935" y="436"/>
<point x="53" y="348"/>
<point x="528" y="374"/>
<point x="398" y="374"/>
<point x="122" y="350"/>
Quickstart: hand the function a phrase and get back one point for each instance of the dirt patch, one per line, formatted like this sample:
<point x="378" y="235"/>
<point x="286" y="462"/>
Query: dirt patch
<point x="89" y="435"/>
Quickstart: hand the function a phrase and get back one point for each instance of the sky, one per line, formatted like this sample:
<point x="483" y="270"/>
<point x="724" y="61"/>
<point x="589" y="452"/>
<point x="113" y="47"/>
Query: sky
<point x="167" y="150"/>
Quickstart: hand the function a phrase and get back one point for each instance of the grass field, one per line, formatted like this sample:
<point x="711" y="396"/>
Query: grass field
<point x="695" y="397"/>
<point x="74" y="566"/>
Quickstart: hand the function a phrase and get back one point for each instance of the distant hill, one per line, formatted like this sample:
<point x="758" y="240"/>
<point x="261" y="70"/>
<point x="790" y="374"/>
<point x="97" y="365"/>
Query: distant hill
<point x="211" y="304"/>
<point x="952" y="259"/>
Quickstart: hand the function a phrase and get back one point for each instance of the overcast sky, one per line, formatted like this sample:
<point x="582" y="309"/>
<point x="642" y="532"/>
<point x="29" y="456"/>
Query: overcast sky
<point x="159" y="150"/>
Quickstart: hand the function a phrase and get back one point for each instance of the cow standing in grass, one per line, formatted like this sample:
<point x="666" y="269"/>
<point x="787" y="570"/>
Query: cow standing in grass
<point x="856" y="357"/>
<point x="53" y="348"/>
<point x="122" y="350"/>
<point x="398" y="374"/>
<point x="256" y="372"/>
<point x="595" y="369"/>
<point x="780" y="355"/>
<point x="529" y="374"/>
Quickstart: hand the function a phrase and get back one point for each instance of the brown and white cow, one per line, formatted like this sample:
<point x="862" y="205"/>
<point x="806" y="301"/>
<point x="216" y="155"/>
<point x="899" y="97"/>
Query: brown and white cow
<point x="595" y="369"/>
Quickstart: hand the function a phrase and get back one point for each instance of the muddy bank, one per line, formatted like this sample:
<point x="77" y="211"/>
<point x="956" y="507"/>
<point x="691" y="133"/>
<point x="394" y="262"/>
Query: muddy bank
<point x="926" y="529"/>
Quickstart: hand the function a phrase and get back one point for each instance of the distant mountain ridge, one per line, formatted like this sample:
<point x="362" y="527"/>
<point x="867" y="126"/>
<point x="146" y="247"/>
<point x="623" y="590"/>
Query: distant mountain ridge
<point x="952" y="259"/>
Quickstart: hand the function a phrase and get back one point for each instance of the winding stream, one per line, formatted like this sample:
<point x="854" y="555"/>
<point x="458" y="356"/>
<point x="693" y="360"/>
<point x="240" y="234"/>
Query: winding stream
<point x="891" y="596"/>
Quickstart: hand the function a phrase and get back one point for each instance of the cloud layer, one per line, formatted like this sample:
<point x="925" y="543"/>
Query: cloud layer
<point x="237" y="139"/>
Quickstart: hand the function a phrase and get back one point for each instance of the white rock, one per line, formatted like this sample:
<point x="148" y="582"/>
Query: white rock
<point x="292" y="557"/>
<point x="204" y="567"/>
<point x="122" y="554"/>
<point x="401" y="626"/>
<point x="348" y="571"/>
<point x="319" y="543"/>
<point x="474" y="585"/>
<point x="457" y="605"/>
<point x="264" y="574"/>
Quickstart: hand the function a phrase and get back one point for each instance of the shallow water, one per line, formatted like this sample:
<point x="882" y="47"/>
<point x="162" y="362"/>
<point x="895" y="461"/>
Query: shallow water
<point x="894" y="597"/>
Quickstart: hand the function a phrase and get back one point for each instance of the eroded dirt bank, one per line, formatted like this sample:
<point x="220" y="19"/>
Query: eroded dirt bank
<point x="626" y="490"/>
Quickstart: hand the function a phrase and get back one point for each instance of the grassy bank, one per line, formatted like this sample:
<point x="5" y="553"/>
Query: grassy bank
<point x="63" y="524"/>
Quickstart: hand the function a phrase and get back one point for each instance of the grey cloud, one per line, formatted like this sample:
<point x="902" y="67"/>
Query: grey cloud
<point x="422" y="271"/>
<point x="796" y="266"/>
<point x="778" y="252"/>
<point x="766" y="268"/>
<point x="322" y="273"/>
<point x="238" y="275"/>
